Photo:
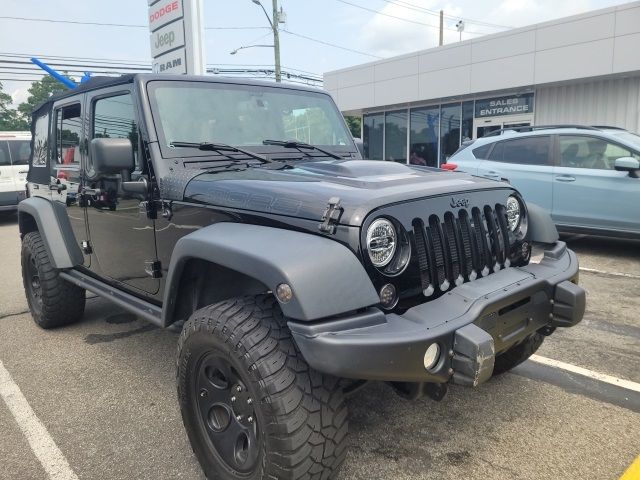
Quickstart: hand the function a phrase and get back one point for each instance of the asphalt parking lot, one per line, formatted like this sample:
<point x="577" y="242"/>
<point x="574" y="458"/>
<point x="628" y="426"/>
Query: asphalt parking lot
<point x="104" y="390"/>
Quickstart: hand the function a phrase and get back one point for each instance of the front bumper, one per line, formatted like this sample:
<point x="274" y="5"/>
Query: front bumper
<point x="471" y="324"/>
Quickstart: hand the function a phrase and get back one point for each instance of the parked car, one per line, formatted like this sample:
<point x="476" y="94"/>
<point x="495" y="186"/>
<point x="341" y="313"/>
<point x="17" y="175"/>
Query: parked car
<point x="296" y="270"/>
<point x="15" y="148"/>
<point x="587" y="178"/>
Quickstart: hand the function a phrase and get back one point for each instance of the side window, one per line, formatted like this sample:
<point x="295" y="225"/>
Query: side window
<point x="41" y="141"/>
<point x="527" y="151"/>
<point x="4" y="154"/>
<point x="481" y="152"/>
<point x="67" y="134"/>
<point x="114" y="117"/>
<point x="20" y="151"/>
<point x="580" y="151"/>
<point x="497" y="154"/>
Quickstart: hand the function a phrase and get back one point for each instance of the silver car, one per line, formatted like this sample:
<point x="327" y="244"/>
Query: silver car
<point x="587" y="178"/>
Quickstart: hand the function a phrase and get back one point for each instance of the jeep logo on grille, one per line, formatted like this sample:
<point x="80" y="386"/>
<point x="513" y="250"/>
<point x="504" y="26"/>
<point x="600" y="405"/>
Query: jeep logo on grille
<point x="459" y="202"/>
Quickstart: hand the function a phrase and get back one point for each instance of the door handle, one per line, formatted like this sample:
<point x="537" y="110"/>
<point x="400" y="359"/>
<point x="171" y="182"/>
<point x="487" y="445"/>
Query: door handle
<point x="91" y="191"/>
<point x="22" y="172"/>
<point x="565" y="178"/>
<point x="59" y="187"/>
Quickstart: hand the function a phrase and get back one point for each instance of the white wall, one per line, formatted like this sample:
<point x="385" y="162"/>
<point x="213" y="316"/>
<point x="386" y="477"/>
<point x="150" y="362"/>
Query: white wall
<point x="614" y="102"/>
<point x="598" y="43"/>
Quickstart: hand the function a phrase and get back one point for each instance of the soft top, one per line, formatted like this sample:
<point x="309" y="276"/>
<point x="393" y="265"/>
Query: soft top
<point x="91" y="84"/>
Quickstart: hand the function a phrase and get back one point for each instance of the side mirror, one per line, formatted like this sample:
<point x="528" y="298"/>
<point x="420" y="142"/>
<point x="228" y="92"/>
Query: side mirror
<point x="360" y="145"/>
<point x="628" y="164"/>
<point x="111" y="155"/>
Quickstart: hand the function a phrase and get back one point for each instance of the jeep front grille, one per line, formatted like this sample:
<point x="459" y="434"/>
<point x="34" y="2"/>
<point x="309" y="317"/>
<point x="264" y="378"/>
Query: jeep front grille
<point x="452" y="250"/>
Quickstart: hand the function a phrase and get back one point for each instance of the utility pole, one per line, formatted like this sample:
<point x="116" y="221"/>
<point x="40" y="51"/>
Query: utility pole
<point x="441" y="26"/>
<point x="275" y="20"/>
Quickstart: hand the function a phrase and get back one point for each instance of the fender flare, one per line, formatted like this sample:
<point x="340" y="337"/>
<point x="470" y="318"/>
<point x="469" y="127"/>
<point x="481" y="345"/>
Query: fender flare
<point x="540" y="226"/>
<point x="325" y="276"/>
<point x="55" y="230"/>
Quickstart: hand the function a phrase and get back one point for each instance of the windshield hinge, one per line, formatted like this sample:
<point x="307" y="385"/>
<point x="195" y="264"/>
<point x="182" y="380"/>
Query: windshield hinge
<point x="331" y="216"/>
<point x="153" y="268"/>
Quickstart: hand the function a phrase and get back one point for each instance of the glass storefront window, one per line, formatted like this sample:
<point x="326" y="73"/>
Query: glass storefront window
<point x="423" y="140"/>
<point x="395" y="147"/>
<point x="467" y="121"/>
<point x="373" y="136"/>
<point x="450" y="116"/>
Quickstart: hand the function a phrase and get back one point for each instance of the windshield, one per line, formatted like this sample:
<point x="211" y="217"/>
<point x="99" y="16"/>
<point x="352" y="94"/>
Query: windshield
<point x="243" y="115"/>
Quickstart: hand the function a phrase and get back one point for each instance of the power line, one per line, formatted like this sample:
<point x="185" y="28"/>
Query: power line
<point x="123" y="25"/>
<point x="411" y="6"/>
<point x="404" y="19"/>
<point x="329" y="44"/>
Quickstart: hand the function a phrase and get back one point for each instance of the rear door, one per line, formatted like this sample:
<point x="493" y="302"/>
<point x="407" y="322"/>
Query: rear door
<point x="8" y="196"/>
<point x="588" y="192"/>
<point x="19" y="151"/>
<point x="524" y="162"/>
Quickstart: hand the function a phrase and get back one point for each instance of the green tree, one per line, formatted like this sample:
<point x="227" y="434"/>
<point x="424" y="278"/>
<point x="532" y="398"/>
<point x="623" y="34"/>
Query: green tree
<point x="9" y="118"/>
<point x="39" y="91"/>
<point x="354" y="124"/>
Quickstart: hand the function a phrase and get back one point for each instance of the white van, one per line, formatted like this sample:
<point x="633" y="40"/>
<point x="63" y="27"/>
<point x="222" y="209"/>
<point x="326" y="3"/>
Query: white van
<point x="15" y="148"/>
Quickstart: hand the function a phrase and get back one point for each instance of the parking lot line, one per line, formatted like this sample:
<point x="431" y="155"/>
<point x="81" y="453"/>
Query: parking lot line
<point x="633" y="472"/>
<point x="602" y="377"/>
<point x="611" y="274"/>
<point x="43" y="446"/>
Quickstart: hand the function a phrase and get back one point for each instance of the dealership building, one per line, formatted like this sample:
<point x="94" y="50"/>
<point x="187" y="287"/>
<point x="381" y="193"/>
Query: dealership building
<point x="419" y="107"/>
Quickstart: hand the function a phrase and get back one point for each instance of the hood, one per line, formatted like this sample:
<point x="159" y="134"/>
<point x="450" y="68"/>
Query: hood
<point x="304" y="191"/>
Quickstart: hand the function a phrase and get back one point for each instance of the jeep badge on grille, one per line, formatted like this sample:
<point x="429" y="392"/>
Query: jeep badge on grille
<point x="459" y="202"/>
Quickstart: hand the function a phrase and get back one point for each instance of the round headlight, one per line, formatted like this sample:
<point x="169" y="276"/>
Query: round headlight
<point x="513" y="213"/>
<point x="381" y="242"/>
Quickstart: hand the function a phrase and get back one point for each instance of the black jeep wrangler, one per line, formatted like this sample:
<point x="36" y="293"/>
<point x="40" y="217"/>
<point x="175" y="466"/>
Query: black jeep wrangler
<point x="243" y="213"/>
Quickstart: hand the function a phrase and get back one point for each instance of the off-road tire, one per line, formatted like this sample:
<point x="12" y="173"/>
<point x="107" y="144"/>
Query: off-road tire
<point x="301" y="415"/>
<point x="518" y="354"/>
<point x="57" y="302"/>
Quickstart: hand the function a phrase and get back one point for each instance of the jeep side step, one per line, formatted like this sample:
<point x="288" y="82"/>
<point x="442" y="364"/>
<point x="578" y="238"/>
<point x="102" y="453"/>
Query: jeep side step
<point x="150" y="312"/>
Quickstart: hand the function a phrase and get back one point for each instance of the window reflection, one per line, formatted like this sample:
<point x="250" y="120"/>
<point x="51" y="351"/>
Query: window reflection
<point x="373" y="136"/>
<point x="395" y="147"/>
<point x="425" y="127"/>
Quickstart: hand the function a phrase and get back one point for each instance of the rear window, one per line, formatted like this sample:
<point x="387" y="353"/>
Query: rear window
<point x="482" y="152"/>
<point x="523" y="151"/>
<point x="20" y="150"/>
<point x="4" y="154"/>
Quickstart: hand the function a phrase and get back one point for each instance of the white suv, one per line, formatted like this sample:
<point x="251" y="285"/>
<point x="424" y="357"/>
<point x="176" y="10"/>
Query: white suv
<point x="15" y="148"/>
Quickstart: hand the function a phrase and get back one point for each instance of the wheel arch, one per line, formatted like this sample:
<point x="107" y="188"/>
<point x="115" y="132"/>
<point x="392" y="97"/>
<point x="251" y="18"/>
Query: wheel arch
<point x="51" y="220"/>
<point x="326" y="277"/>
<point x="540" y="225"/>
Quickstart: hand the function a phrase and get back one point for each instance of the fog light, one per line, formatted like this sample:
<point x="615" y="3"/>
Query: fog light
<point x="388" y="296"/>
<point x="284" y="294"/>
<point x="431" y="356"/>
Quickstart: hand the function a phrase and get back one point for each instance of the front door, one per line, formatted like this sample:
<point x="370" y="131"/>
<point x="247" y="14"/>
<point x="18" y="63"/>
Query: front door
<point x="121" y="233"/>
<point x="484" y="126"/>
<point x="65" y="163"/>
<point x="588" y="192"/>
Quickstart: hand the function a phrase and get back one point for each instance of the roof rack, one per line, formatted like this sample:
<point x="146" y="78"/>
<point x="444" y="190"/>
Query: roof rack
<point x="531" y="128"/>
<point x="607" y="127"/>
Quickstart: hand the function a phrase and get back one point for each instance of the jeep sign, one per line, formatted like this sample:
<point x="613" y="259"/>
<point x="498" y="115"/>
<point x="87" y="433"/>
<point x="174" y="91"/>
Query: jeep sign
<point x="167" y="38"/>
<point x="176" y="36"/>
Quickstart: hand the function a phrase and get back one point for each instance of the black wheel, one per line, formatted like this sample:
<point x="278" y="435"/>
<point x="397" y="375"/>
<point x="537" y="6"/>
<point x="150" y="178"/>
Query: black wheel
<point x="518" y="354"/>
<point x="251" y="405"/>
<point x="53" y="302"/>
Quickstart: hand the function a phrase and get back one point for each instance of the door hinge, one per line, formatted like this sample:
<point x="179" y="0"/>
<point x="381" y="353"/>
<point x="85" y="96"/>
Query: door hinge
<point x="331" y="216"/>
<point x="86" y="247"/>
<point x="153" y="268"/>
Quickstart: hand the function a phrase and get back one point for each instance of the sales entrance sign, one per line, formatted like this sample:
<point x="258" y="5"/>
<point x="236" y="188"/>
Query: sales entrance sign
<point x="176" y="36"/>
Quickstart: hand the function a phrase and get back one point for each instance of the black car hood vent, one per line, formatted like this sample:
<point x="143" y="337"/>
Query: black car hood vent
<point x="358" y="168"/>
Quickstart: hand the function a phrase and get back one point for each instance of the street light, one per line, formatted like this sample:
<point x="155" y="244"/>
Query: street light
<point x="233" y="52"/>
<point x="276" y="38"/>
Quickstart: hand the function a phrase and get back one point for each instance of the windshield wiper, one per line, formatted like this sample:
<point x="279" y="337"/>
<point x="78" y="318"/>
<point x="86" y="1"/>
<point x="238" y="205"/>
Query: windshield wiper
<point x="300" y="146"/>
<point x="221" y="148"/>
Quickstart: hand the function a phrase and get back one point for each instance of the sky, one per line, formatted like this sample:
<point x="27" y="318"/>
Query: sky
<point x="365" y="29"/>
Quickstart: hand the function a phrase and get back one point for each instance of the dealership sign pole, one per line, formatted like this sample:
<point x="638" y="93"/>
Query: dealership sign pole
<point x="177" y="36"/>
